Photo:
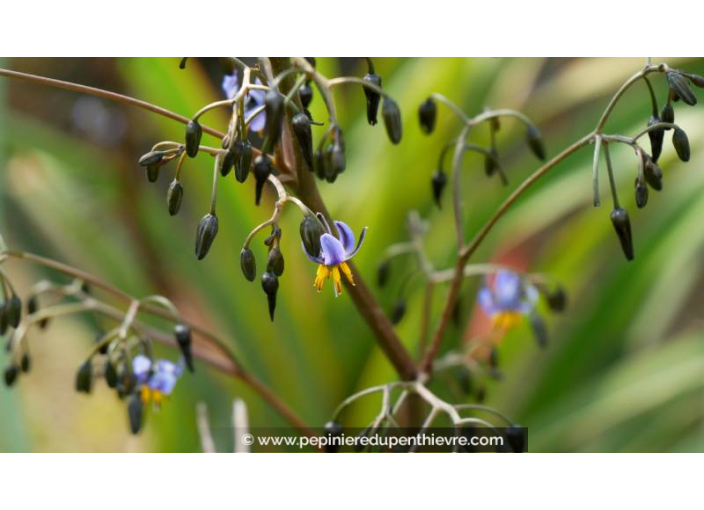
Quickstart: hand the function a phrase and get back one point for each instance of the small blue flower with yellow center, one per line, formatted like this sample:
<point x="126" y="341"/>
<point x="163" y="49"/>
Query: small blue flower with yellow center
<point x="254" y="99"/>
<point x="506" y="298"/>
<point x="155" y="380"/>
<point x="334" y="254"/>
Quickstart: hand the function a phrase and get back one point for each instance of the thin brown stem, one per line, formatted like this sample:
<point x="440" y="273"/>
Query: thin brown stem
<point x="231" y="365"/>
<point x="469" y="249"/>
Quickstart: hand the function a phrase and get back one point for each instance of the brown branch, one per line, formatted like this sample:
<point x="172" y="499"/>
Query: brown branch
<point x="307" y="191"/>
<point x="230" y="366"/>
<point x="468" y="250"/>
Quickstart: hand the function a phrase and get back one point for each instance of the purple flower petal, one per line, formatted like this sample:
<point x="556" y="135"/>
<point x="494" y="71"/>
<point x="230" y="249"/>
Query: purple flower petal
<point x="333" y="251"/>
<point x="258" y="122"/>
<point x="346" y="236"/>
<point x="359" y="244"/>
<point x="141" y="366"/>
<point x="230" y="84"/>
<point x="256" y="96"/>
<point x="486" y="301"/>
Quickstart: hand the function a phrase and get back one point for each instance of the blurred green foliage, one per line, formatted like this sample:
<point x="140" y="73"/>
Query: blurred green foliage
<point x="624" y="370"/>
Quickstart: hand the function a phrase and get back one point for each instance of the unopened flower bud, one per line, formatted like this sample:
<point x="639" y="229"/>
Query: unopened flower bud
<point x="10" y="375"/>
<point x="243" y="160"/>
<point x="111" y="377"/>
<point x="174" y="196"/>
<point x="306" y="94"/>
<point x="84" y="377"/>
<point x="516" y="438"/>
<point x="398" y="311"/>
<point x="373" y="97"/>
<point x="438" y="181"/>
<point x="207" y="230"/>
<point x="656" y="138"/>
<point x="135" y="413"/>
<point x="392" y="120"/>
<point x="275" y="262"/>
<point x="193" y="135"/>
<point x="262" y="171"/>
<point x="14" y="311"/>
<point x="557" y="299"/>
<point x="668" y="114"/>
<point x="151" y="158"/>
<point x="681" y="143"/>
<point x="679" y="85"/>
<point x="25" y="363"/>
<point x="535" y="142"/>
<point x="382" y="273"/>
<point x="652" y="174"/>
<point x="540" y="330"/>
<point x="427" y="114"/>
<point x="304" y="135"/>
<point x="248" y="264"/>
<point x="622" y="225"/>
<point x="697" y="81"/>
<point x="333" y="429"/>
<point x="319" y="164"/>
<point x="311" y="230"/>
<point x="274" y="109"/>
<point x="227" y="161"/>
<point x="184" y="340"/>
<point x="270" y="284"/>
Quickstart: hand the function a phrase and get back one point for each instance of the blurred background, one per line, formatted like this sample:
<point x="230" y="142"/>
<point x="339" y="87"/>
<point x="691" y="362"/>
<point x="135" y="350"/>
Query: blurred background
<point x="624" y="368"/>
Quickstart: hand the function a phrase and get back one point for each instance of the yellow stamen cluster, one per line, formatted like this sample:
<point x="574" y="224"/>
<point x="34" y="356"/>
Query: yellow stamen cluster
<point x="327" y="272"/>
<point x="505" y="321"/>
<point x="147" y="394"/>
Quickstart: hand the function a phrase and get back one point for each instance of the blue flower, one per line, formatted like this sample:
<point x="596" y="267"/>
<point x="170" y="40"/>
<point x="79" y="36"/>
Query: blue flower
<point x="156" y="380"/>
<point x="506" y="297"/>
<point x="254" y="99"/>
<point x="334" y="254"/>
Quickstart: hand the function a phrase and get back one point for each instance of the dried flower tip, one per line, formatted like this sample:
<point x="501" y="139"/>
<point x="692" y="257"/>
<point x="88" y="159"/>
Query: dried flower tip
<point x="681" y="143"/>
<point x="679" y="85"/>
<point x="184" y="340"/>
<point x="182" y="63"/>
<point x="427" y="114"/>
<point x="193" y="135"/>
<point x="304" y="135"/>
<point x="438" y="181"/>
<point x="392" y="120"/>
<point x="248" y="264"/>
<point x="535" y="142"/>
<point x="151" y="158"/>
<point x="622" y="225"/>
<point x="135" y="413"/>
<point x="373" y="97"/>
<point x="656" y="138"/>
<point x="262" y="171"/>
<point x="270" y="284"/>
<point x="207" y="230"/>
<point x="84" y="377"/>
<point x="10" y="375"/>
<point x="174" y="196"/>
